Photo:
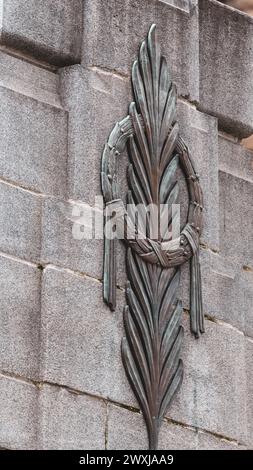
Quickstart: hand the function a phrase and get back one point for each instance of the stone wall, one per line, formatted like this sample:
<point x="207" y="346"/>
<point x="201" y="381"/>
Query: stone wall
<point x="64" y="82"/>
<point x="243" y="5"/>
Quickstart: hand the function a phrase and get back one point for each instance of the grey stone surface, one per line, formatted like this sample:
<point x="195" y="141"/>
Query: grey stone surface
<point x="200" y="134"/>
<point x="249" y="366"/>
<point x="184" y="5"/>
<point x="227" y="276"/>
<point x="61" y="247"/>
<point x="127" y="431"/>
<point x="18" y="414"/>
<point x="20" y="213"/>
<point x="96" y="100"/>
<point x="70" y="421"/>
<point x="121" y="25"/>
<point x="29" y="79"/>
<point x="209" y="442"/>
<point x="227" y="291"/>
<point x="173" y="437"/>
<point x="226" y="57"/>
<point x="65" y="335"/>
<point x="235" y="159"/>
<point x="211" y="363"/>
<point x="20" y="317"/>
<point x="58" y="243"/>
<point x="33" y="143"/>
<point x="236" y="219"/>
<point x="81" y="337"/>
<point x="78" y="329"/>
<point x="246" y="289"/>
<point x="48" y="30"/>
<point x="224" y="290"/>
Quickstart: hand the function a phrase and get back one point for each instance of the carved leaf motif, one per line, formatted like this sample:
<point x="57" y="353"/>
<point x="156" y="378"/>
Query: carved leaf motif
<point x="152" y="317"/>
<point x="151" y="348"/>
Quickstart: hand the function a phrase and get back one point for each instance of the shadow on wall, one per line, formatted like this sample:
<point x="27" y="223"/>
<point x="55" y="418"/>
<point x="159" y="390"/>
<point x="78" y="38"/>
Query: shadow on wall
<point x="247" y="7"/>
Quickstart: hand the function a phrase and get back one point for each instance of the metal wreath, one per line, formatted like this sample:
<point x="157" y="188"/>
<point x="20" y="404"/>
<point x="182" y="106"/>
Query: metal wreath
<point x="152" y="316"/>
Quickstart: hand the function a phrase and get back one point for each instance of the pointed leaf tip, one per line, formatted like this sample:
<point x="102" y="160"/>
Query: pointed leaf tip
<point x="152" y="34"/>
<point x="143" y="48"/>
<point x="152" y="29"/>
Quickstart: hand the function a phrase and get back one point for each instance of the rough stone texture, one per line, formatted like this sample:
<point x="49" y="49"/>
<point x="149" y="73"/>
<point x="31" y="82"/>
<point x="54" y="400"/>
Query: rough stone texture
<point x="96" y="100"/>
<point x="235" y="159"/>
<point x="226" y="57"/>
<point x="209" y="442"/>
<point x="61" y="247"/>
<point x="227" y="277"/>
<point x="246" y="289"/>
<point x="48" y="30"/>
<point x="236" y="219"/>
<point x="20" y="213"/>
<point x="249" y="366"/>
<point x="80" y="337"/>
<point x="236" y="228"/>
<point x="175" y="437"/>
<point x="70" y="421"/>
<point x="126" y="431"/>
<point x="200" y="134"/>
<point x="54" y="326"/>
<point x="33" y="143"/>
<point x="20" y="317"/>
<point x="184" y="5"/>
<point x="225" y="290"/>
<point x="121" y="25"/>
<point x="18" y="414"/>
<point x="29" y="79"/>
<point x="58" y="243"/>
<point x="211" y="363"/>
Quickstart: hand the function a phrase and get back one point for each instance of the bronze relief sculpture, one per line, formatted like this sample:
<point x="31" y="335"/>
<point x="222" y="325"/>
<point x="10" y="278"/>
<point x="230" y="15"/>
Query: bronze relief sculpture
<point x="153" y="314"/>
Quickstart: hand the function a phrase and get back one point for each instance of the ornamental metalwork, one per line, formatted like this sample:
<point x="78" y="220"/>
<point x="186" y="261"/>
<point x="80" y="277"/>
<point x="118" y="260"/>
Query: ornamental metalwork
<point x="151" y="348"/>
